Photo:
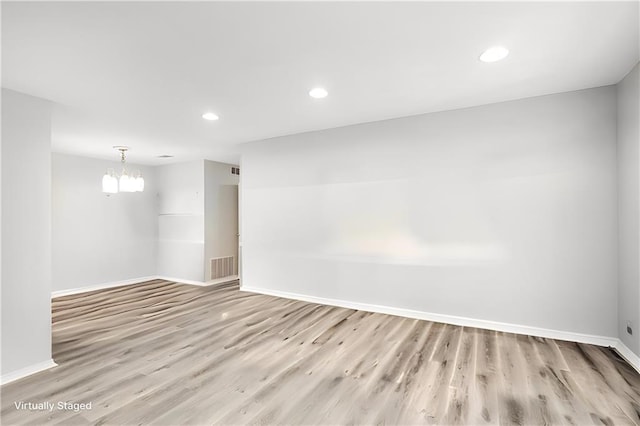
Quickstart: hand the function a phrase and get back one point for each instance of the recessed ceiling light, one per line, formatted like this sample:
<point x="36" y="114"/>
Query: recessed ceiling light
<point x="318" y="93"/>
<point x="165" y="156"/>
<point x="494" y="54"/>
<point x="210" y="116"/>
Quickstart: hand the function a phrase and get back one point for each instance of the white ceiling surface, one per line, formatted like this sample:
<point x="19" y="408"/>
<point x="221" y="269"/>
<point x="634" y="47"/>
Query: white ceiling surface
<point x="142" y="74"/>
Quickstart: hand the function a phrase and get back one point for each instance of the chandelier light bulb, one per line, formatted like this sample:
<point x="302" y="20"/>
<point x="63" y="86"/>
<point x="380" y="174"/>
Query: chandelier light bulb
<point x="139" y="183"/>
<point x="109" y="182"/>
<point x="124" y="184"/>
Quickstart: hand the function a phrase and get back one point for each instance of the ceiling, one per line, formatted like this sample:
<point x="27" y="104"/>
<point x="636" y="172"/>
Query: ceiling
<point x="142" y="74"/>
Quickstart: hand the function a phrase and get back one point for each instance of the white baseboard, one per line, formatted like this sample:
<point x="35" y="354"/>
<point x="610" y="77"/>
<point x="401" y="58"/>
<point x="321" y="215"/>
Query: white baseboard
<point x="27" y="371"/>
<point x="222" y="280"/>
<point x="615" y="343"/>
<point x="448" y="319"/>
<point x="628" y="355"/>
<point x="181" y="281"/>
<point x="132" y="281"/>
<point x="101" y="286"/>
<point x="199" y="283"/>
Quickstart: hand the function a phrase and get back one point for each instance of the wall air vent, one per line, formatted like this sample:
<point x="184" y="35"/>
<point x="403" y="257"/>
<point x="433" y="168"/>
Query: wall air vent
<point x="235" y="171"/>
<point x="222" y="267"/>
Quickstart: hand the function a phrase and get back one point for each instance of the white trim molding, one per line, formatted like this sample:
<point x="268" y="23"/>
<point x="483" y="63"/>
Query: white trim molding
<point x="448" y="319"/>
<point x="27" y="371"/>
<point x="628" y="355"/>
<point x="102" y="286"/>
<point x="612" y="342"/>
<point x="201" y="283"/>
<point x="224" y="280"/>
<point x="181" y="281"/>
<point x="140" y="280"/>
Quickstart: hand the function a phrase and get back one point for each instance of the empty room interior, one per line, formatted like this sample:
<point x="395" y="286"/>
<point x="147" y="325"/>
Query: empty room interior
<point x="320" y="213"/>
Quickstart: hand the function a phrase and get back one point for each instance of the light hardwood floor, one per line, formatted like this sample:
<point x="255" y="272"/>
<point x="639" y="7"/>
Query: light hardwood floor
<point x="165" y="353"/>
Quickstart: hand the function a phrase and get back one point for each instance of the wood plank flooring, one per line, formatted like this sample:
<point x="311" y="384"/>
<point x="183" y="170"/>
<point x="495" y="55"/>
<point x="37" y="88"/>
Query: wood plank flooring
<point x="171" y="354"/>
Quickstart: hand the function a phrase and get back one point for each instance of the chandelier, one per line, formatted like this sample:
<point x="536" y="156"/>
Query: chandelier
<point x="112" y="183"/>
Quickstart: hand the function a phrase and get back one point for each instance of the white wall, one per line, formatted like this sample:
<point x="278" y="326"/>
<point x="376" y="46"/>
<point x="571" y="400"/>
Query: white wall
<point x="505" y="212"/>
<point x="629" y="208"/>
<point x="26" y="232"/>
<point x="1" y="317"/>
<point x="221" y="213"/>
<point x="100" y="238"/>
<point x="181" y="221"/>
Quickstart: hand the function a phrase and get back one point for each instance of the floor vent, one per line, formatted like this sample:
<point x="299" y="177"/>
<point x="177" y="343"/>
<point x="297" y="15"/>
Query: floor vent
<point x="222" y="267"/>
